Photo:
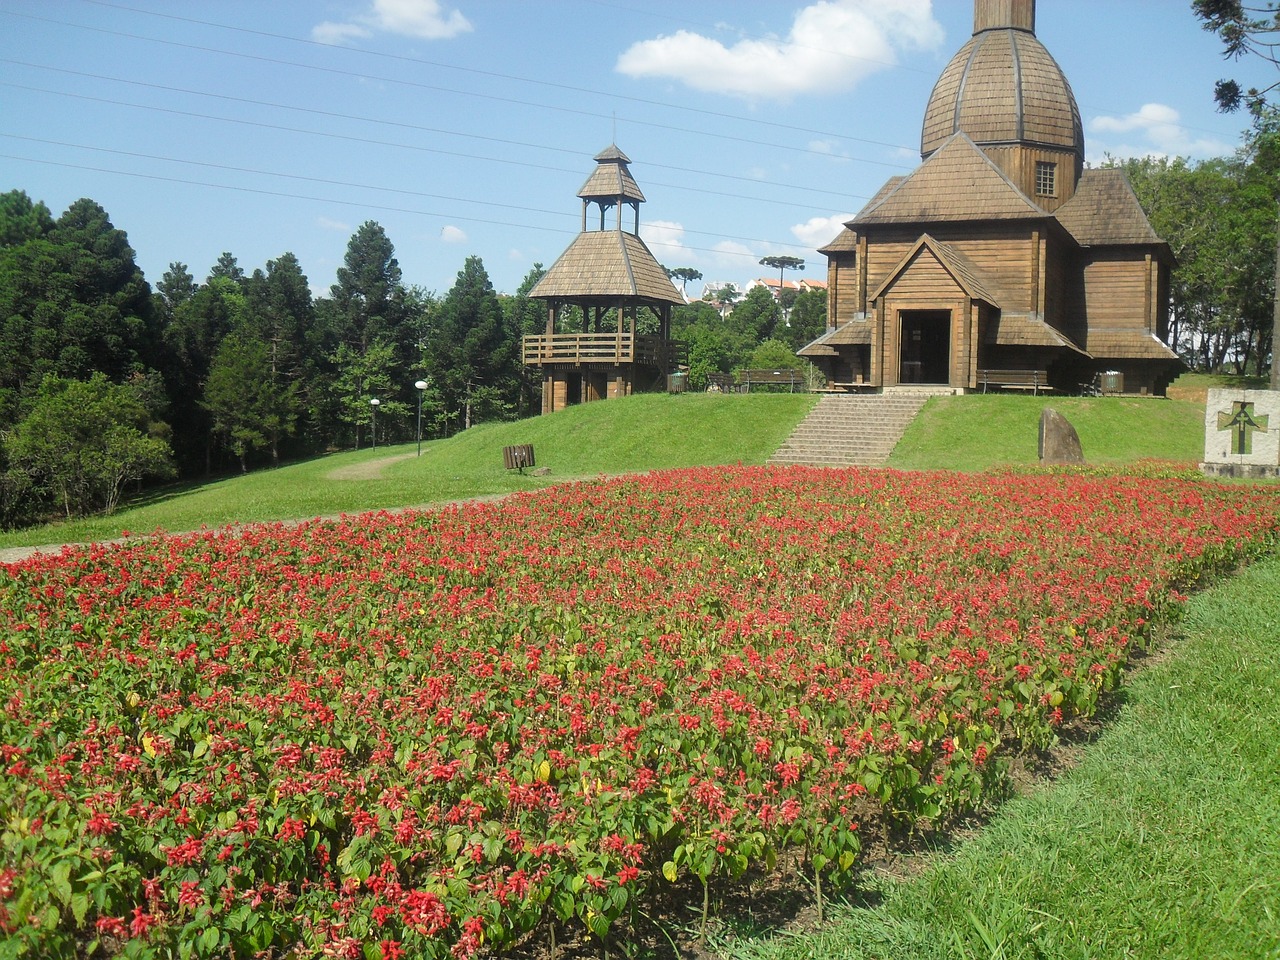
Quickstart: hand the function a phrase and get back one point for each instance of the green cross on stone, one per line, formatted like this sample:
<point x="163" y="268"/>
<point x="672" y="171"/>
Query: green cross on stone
<point x="1242" y="422"/>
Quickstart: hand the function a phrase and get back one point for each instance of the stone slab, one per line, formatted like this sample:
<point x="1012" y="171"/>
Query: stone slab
<point x="1242" y="431"/>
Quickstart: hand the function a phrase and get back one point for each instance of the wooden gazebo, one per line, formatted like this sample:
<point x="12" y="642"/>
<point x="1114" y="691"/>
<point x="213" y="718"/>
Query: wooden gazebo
<point x="614" y="281"/>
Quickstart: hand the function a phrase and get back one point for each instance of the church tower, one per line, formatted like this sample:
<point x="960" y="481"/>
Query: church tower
<point x="1005" y="91"/>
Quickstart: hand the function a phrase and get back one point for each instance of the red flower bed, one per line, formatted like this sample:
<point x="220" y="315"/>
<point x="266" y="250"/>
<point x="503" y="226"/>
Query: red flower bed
<point x="420" y="734"/>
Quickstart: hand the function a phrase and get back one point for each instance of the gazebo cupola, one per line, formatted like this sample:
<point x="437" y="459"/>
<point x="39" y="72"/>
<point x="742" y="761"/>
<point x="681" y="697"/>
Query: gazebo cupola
<point x="611" y="185"/>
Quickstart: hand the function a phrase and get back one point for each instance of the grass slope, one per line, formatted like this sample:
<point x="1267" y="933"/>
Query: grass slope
<point x="978" y="432"/>
<point x="640" y="433"/>
<point x="1161" y="843"/>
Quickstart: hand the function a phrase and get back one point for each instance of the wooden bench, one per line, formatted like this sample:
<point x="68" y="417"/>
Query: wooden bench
<point x="720" y="382"/>
<point x="1033" y="380"/>
<point x="782" y="377"/>
<point x="854" y="386"/>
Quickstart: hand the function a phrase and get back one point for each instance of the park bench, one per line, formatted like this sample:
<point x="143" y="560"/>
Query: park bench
<point x="855" y="385"/>
<point x="778" y="377"/>
<point x="720" y="382"/>
<point x="1033" y="380"/>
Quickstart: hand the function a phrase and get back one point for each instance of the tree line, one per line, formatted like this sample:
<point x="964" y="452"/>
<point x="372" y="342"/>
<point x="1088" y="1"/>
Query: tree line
<point x="1219" y="218"/>
<point x="107" y="384"/>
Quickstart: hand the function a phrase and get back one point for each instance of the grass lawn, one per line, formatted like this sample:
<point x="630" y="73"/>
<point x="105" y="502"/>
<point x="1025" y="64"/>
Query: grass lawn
<point x="978" y="432"/>
<point x="1161" y="843"/>
<point x="640" y="433"/>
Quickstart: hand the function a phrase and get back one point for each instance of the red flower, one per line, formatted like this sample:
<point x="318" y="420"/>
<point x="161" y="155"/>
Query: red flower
<point x="142" y="922"/>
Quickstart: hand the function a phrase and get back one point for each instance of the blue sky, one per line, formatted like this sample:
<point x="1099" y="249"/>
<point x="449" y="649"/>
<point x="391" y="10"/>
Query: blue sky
<point x="466" y="127"/>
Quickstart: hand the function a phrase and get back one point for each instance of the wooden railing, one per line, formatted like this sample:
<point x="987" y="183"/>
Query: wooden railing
<point x="604" y="348"/>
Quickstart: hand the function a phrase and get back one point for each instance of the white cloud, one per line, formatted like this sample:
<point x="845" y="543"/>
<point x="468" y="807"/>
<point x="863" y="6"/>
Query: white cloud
<point x="452" y="234"/>
<point x="1161" y="127"/>
<point x="666" y="239"/>
<point x="833" y="44"/>
<point x="425" y="19"/>
<point x="819" y="231"/>
<point x="324" y="223"/>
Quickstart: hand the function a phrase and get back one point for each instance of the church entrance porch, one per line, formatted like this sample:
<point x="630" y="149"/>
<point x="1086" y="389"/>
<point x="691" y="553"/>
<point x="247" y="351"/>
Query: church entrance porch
<point x="925" y="347"/>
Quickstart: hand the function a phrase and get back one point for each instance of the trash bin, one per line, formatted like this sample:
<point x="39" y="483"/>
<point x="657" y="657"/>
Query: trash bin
<point x="677" y="382"/>
<point x="1111" y="382"/>
<point x="518" y="457"/>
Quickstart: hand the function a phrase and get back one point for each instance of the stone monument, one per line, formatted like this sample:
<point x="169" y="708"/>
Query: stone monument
<point x="1059" y="442"/>
<point x="1242" y="433"/>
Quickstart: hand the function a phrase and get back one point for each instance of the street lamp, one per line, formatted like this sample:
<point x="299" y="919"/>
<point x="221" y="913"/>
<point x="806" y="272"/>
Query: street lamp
<point x="421" y="385"/>
<point x="373" y="405"/>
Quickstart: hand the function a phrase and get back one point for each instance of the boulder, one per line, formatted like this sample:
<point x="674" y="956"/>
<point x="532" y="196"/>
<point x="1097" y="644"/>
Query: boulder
<point x="1059" y="442"/>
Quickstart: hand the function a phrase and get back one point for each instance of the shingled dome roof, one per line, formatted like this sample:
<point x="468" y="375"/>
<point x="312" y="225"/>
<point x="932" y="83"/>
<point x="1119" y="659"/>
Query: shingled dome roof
<point x="1004" y="87"/>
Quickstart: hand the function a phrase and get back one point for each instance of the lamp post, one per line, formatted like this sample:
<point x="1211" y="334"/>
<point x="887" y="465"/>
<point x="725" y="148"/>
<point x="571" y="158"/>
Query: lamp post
<point x="421" y="385"/>
<point x="373" y="405"/>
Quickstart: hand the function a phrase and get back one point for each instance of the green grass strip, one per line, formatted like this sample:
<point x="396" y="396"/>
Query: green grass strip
<point x="979" y="432"/>
<point x="1162" y="843"/>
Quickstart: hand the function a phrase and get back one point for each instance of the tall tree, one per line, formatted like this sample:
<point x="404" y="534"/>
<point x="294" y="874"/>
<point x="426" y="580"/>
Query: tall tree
<point x="72" y="302"/>
<point x="368" y="298"/>
<point x="198" y="326"/>
<point x="685" y="275"/>
<point x="227" y="268"/>
<point x="177" y="286"/>
<point x="21" y="219"/>
<point x="280" y="314"/>
<point x="1249" y="30"/>
<point x="782" y="265"/>
<point x="1218" y="218"/>
<point x="474" y="354"/>
<point x="1245" y="30"/>
<point x="758" y="314"/>
<point x="248" y="407"/>
<point x="361" y="378"/>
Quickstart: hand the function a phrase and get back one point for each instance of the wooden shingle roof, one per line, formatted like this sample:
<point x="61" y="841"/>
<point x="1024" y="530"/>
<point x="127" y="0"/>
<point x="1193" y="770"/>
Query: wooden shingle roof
<point x="957" y="183"/>
<point x="604" y="266"/>
<point x="1126" y="343"/>
<point x="1105" y="212"/>
<point x="853" y="332"/>
<point x="611" y="178"/>
<point x="845" y="242"/>
<point x="1021" y="330"/>
<point x="1003" y="87"/>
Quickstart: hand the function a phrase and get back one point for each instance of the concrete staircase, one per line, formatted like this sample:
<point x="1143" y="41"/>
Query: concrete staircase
<point x="846" y="430"/>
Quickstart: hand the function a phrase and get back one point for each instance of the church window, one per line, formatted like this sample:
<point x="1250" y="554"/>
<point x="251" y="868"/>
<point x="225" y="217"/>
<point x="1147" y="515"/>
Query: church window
<point x="1046" y="179"/>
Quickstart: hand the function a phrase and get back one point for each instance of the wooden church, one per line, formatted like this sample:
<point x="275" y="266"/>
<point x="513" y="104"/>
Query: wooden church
<point x="608" y="300"/>
<point x="1000" y="260"/>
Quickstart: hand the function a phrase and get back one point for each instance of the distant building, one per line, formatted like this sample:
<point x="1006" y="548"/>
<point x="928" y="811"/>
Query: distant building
<point x="799" y="286"/>
<point x="1000" y="254"/>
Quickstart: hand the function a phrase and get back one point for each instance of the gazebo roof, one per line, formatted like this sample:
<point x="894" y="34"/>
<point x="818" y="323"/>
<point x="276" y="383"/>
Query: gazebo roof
<point x="603" y="266"/>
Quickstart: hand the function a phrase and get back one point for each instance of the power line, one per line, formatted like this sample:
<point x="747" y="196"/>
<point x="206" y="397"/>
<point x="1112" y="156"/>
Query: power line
<point x="375" y="206"/>
<point x="392" y="123"/>
<point x="490" y="73"/>
<point x="384" y="143"/>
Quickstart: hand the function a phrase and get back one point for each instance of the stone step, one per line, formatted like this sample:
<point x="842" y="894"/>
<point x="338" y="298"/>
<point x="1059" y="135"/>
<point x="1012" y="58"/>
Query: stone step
<point x="849" y="431"/>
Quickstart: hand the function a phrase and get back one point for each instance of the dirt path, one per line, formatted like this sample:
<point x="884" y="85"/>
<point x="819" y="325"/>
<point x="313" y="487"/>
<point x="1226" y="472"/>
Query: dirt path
<point x="369" y="470"/>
